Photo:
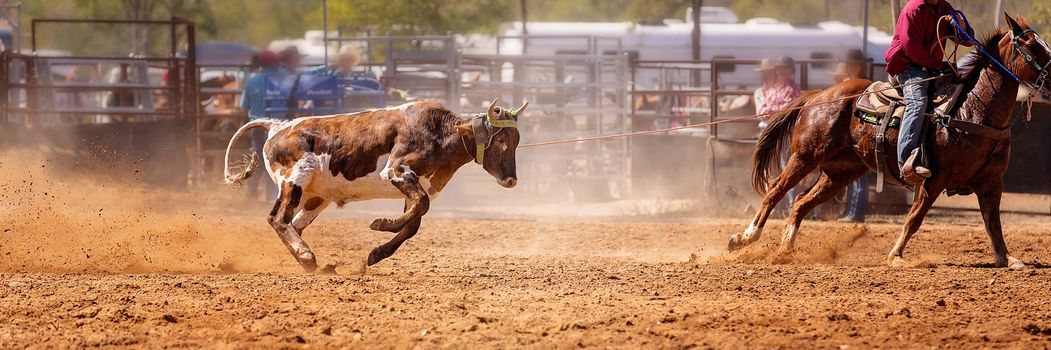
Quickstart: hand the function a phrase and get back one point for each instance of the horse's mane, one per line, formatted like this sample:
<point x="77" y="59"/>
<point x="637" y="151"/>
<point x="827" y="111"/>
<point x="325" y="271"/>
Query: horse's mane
<point x="980" y="61"/>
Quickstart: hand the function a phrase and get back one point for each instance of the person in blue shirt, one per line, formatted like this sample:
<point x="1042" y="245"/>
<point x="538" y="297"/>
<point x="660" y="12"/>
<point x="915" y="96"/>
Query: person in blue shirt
<point x="253" y="101"/>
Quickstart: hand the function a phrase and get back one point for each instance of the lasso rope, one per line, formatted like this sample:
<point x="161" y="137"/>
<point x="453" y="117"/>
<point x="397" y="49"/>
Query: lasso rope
<point x="728" y="120"/>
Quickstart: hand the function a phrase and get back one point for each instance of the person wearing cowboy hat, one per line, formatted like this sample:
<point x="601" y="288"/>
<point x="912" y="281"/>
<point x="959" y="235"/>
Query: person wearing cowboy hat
<point x="766" y="75"/>
<point x="777" y="90"/>
<point x="778" y="87"/>
<point x="852" y="67"/>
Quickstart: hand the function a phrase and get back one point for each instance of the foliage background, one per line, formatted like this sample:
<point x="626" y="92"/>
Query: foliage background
<point x="257" y="22"/>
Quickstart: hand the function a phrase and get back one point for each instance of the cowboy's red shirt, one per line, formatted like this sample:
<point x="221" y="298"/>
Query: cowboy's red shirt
<point x="916" y="37"/>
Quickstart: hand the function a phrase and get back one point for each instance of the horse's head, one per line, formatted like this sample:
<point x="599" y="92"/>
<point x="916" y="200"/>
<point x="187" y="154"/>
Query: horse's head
<point x="1025" y="53"/>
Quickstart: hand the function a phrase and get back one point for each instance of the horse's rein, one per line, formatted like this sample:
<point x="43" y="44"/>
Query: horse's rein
<point x="1034" y="88"/>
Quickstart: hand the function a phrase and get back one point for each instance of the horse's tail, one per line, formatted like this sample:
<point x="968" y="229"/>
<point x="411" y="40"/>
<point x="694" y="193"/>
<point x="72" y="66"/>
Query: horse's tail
<point x="248" y="167"/>
<point x="772" y="140"/>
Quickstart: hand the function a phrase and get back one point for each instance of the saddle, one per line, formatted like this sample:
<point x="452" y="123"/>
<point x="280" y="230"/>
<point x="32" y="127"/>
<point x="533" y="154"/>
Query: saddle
<point x="882" y="104"/>
<point x="881" y="97"/>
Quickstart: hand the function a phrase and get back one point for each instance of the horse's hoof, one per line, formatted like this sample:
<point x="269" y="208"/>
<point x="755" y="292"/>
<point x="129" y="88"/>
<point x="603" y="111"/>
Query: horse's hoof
<point x="735" y="243"/>
<point x="896" y="262"/>
<point x="1015" y="264"/>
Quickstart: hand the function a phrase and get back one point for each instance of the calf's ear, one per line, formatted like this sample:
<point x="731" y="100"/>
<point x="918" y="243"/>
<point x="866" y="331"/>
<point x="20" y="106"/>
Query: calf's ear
<point x="465" y="129"/>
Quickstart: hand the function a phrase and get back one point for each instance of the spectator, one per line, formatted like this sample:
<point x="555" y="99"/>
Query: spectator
<point x="253" y="101"/>
<point x="766" y="81"/>
<point x="853" y="68"/>
<point x="782" y="87"/>
<point x="342" y="65"/>
<point x="777" y="91"/>
<point x="291" y="59"/>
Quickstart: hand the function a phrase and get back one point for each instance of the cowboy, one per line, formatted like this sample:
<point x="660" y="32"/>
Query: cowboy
<point x="253" y="101"/>
<point x="915" y="55"/>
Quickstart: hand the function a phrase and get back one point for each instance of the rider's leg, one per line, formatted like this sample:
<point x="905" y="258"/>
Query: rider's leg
<point x="910" y="137"/>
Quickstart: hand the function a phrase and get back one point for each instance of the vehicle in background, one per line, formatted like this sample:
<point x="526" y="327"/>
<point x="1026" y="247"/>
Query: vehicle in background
<point x="722" y="37"/>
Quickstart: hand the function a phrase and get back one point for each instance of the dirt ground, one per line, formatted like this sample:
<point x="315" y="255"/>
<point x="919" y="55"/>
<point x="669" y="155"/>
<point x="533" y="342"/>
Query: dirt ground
<point x="90" y="264"/>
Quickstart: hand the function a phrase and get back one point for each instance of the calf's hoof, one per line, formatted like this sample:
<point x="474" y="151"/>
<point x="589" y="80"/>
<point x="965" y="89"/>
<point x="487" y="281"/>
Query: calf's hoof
<point x="308" y="261"/>
<point x="376" y="255"/>
<point x="384" y="224"/>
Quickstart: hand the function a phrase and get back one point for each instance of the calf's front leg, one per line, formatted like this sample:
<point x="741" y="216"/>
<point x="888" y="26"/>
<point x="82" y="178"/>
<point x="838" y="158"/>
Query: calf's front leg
<point x="387" y="249"/>
<point x="417" y="202"/>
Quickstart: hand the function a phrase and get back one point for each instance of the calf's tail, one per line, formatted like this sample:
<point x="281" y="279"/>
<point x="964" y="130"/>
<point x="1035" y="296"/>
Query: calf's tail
<point x="237" y="178"/>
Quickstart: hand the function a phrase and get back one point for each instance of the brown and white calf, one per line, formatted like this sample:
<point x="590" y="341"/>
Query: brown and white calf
<point x="409" y="151"/>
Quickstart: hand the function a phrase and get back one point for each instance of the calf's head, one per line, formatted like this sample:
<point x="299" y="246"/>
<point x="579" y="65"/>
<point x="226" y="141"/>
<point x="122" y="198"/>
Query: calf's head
<point x="496" y="140"/>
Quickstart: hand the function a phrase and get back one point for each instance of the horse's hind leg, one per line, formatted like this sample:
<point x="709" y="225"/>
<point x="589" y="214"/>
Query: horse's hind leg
<point x="989" y="202"/>
<point x="795" y="170"/>
<point x="830" y="183"/>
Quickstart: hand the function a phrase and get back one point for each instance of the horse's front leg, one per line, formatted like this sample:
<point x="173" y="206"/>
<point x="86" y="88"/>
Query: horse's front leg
<point x="989" y="203"/>
<point x="928" y="194"/>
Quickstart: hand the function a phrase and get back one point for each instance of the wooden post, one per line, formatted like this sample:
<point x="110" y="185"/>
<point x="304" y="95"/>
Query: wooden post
<point x="695" y="37"/>
<point x="895" y="6"/>
<point x="525" y="19"/>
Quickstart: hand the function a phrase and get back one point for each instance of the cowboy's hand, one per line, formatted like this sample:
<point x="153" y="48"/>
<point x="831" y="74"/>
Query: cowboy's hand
<point x="960" y="37"/>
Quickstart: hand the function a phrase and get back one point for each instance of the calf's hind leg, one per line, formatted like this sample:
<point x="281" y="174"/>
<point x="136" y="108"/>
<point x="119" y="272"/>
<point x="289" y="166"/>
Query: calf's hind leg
<point x="281" y="220"/>
<point x="309" y="211"/>
<point x="281" y="217"/>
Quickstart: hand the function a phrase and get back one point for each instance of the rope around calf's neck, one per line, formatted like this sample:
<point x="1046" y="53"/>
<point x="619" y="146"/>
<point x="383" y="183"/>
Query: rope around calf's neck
<point x="728" y="120"/>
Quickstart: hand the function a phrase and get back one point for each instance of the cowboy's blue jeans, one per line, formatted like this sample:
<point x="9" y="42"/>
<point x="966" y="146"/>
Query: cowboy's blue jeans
<point x="915" y="94"/>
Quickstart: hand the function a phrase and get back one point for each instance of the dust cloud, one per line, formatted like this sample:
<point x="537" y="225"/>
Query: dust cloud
<point x="55" y="217"/>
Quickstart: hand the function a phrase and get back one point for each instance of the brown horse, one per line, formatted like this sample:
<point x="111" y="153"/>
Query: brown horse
<point x="824" y="134"/>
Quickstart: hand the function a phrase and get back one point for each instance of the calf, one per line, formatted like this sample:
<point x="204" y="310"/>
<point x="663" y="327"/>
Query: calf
<point x="409" y="151"/>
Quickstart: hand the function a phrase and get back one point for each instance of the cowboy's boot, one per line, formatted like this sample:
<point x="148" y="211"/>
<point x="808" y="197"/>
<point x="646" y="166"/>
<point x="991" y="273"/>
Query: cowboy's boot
<point x="913" y="172"/>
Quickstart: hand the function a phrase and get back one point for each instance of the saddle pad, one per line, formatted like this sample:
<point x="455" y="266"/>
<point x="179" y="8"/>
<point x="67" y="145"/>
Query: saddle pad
<point x="877" y="98"/>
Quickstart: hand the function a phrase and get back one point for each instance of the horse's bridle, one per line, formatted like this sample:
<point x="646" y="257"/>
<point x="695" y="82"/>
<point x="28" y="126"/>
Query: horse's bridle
<point x="1016" y="41"/>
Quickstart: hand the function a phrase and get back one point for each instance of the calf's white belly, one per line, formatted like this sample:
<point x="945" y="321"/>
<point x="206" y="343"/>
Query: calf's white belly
<point x="338" y="189"/>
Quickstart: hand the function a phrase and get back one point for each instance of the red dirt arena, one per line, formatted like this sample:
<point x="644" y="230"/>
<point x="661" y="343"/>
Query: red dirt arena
<point x="162" y="164"/>
<point x="170" y="269"/>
